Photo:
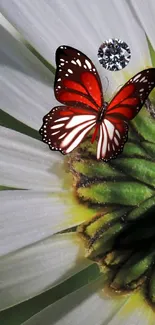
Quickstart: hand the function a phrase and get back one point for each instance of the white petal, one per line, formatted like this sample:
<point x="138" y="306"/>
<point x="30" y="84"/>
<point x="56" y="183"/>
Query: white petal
<point x="25" y="83"/>
<point x="36" y="268"/>
<point x="27" y="163"/>
<point x="4" y="22"/>
<point x="135" y="311"/>
<point x="28" y="216"/>
<point x="98" y="22"/>
<point x="90" y="305"/>
<point x="87" y="305"/>
<point x="145" y="11"/>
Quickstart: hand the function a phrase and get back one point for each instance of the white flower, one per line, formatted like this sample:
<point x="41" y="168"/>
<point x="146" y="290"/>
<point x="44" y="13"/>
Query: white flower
<point x="32" y="260"/>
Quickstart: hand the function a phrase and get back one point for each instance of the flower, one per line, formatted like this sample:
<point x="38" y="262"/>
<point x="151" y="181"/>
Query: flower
<point x="37" y="198"/>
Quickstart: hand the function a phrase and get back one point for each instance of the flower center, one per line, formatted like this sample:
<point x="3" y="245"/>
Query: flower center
<point x="121" y="235"/>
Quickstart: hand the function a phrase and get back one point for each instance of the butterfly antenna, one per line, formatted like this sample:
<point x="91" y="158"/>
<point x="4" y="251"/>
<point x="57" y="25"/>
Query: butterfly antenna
<point x="118" y="88"/>
<point x="116" y="91"/>
<point x="107" y="84"/>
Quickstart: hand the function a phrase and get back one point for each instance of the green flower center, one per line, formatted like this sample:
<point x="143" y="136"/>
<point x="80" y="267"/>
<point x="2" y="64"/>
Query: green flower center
<point x="121" y="236"/>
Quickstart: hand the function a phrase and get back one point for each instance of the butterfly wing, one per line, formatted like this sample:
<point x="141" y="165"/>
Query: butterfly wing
<point x="112" y="136"/>
<point x="77" y="81"/>
<point x="78" y="87"/>
<point x="64" y="127"/>
<point x="124" y="107"/>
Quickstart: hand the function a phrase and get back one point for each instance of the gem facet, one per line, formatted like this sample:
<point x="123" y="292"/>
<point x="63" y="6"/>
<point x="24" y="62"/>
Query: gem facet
<point x="114" y="54"/>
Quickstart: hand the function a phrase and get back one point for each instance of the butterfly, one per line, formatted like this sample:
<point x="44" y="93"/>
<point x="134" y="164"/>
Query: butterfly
<point x="78" y="87"/>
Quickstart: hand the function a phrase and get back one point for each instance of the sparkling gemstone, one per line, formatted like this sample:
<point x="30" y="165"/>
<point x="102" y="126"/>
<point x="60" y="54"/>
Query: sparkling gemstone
<point x="114" y="54"/>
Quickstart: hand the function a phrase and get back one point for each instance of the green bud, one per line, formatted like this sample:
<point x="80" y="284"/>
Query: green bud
<point x="145" y="210"/>
<point x="125" y="193"/>
<point x="131" y="273"/>
<point x="151" y="287"/>
<point x="98" y="169"/>
<point x="132" y="149"/>
<point x="145" y="125"/>
<point x="100" y="223"/>
<point x="116" y="257"/>
<point x="140" y="169"/>
<point x="103" y="243"/>
<point x="132" y="135"/>
<point x="149" y="148"/>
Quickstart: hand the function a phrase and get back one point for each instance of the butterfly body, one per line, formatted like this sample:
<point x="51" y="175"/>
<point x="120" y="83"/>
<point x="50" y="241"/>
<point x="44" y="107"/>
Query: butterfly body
<point x="101" y="113"/>
<point x="78" y="87"/>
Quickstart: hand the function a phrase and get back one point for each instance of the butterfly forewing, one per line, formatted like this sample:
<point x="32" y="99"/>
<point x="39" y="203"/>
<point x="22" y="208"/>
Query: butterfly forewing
<point x="132" y="96"/>
<point x="77" y="81"/>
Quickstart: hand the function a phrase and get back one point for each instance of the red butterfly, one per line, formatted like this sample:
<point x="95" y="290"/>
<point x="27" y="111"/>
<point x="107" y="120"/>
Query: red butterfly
<point x="78" y="86"/>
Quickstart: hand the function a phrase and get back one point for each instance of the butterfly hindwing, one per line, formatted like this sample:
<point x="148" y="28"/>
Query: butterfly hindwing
<point x="65" y="127"/>
<point x="77" y="80"/>
<point x="113" y="134"/>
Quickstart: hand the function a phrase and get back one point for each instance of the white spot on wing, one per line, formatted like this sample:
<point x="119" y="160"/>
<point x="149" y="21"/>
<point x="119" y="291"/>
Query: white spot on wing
<point x="99" y="143"/>
<point x="79" y="119"/>
<point x="55" y="132"/>
<point x="137" y="77"/>
<point x="62" y="119"/>
<point x="116" y="141"/>
<point x="142" y="79"/>
<point x="69" y="138"/>
<point x="118" y="134"/>
<point x="70" y="71"/>
<point x="62" y="136"/>
<point x="105" y="140"/>
<point x="78" y="62"/>
<point x="88" y="64"/>
<point x="57" y="126"/>
<point x="110" y="129"/>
